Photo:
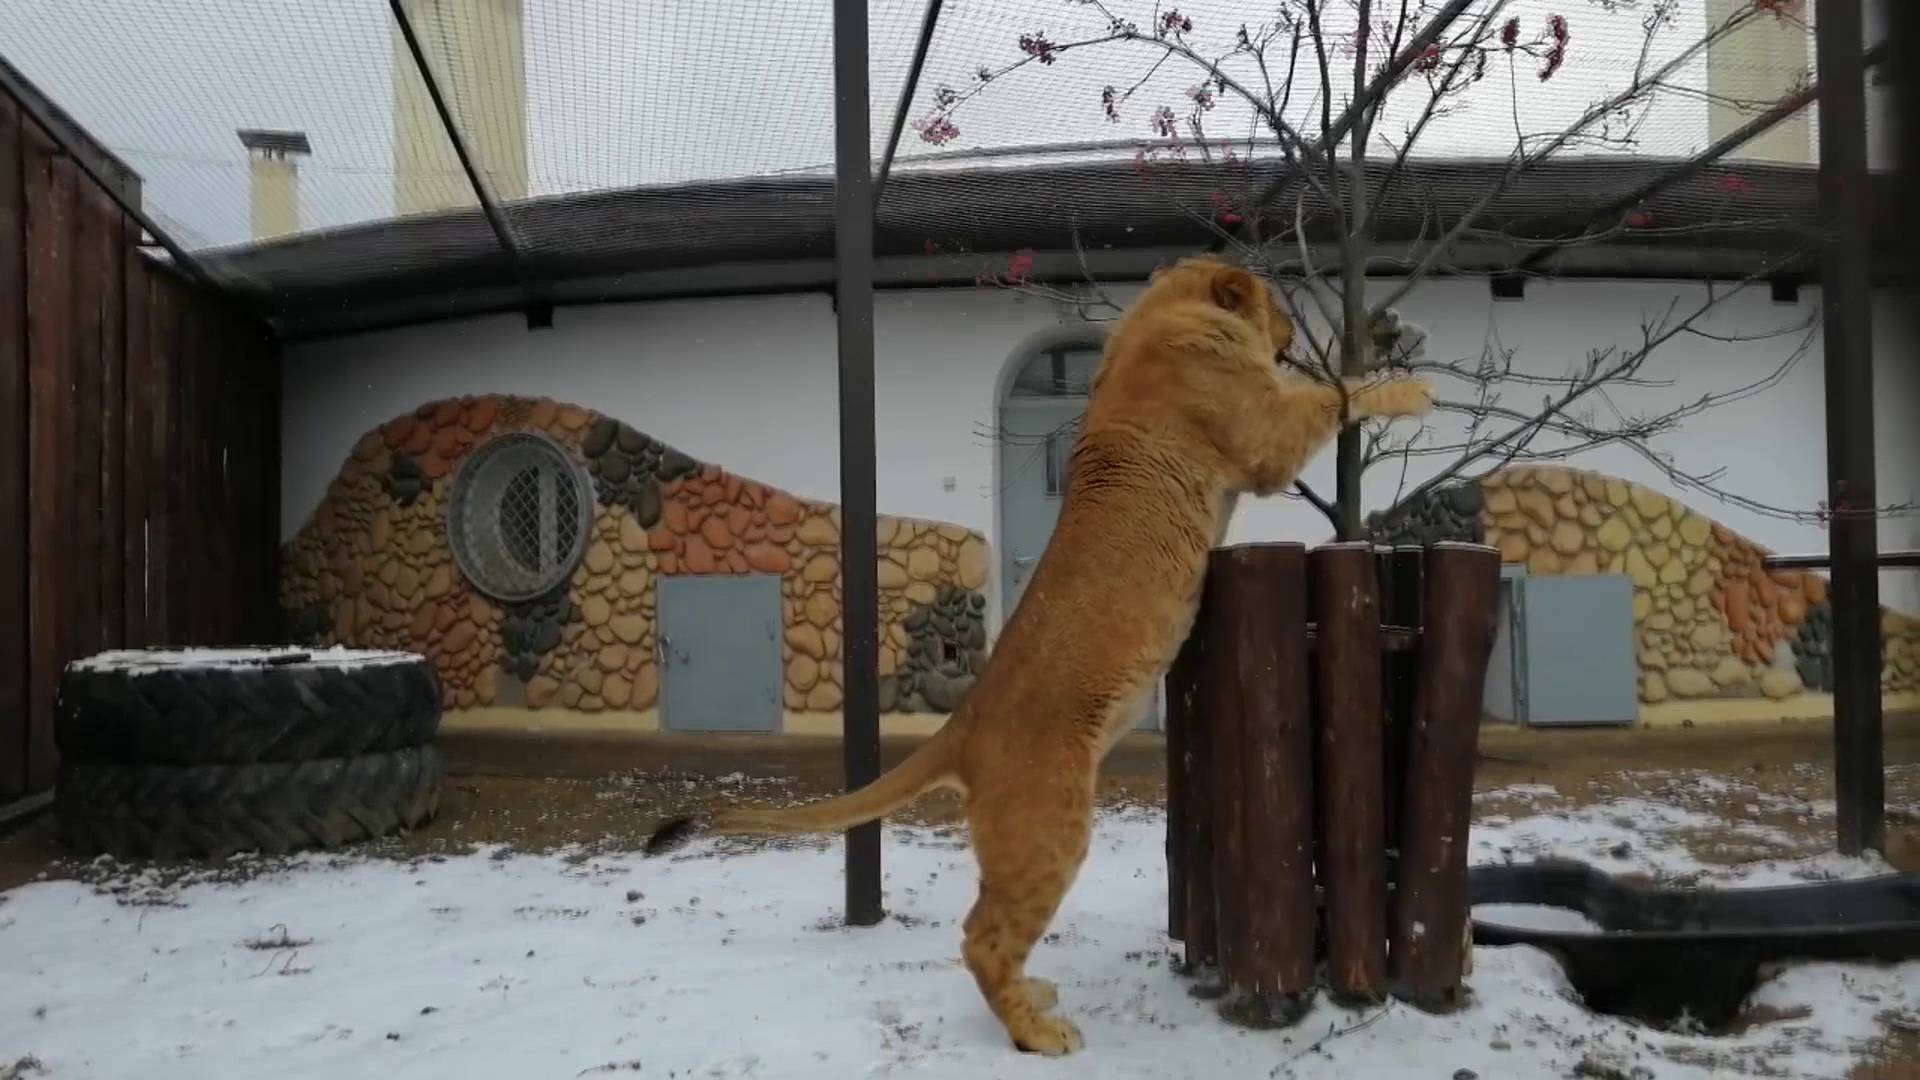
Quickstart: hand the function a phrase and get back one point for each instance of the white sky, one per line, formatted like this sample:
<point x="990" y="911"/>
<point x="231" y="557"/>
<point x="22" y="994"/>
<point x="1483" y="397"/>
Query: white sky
<point x="628" y="92"/>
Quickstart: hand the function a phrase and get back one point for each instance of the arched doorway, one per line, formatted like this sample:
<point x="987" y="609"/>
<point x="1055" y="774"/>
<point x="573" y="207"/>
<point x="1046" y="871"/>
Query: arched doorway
<point x="1039" y="416"/>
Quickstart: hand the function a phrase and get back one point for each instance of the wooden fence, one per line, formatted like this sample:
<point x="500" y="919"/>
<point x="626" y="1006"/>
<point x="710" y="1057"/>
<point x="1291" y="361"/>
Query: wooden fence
<point x="1323" y="724"/>
<point x="139" y="446"/>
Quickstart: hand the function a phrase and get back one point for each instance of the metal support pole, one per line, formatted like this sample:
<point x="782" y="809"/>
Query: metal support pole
<point x="927" y="22"/>
<point x="502" y="231"/>
<point x="859" y="548"/>
<point x="1846" y="292"/>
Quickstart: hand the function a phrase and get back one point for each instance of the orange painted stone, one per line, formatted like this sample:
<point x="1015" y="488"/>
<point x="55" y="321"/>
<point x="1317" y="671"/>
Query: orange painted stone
<point x="734" y="486"/>
<point x="446" y="412"/>
<point x="737" y="562"/>
<point x="782" y="509"/>
<point x="715" y="533"/>
<point x="780" y="534"/>
<point x="739" y="519"/>
<point x="434" y="466"/>
<point x="659" y="539"/>
<point x="713" y="494"/>
<point x="669" y="563"/>
<point x="423" y="620"/>
<point x="448" y="441"/>
<point x="1793" y="607"/>
<point x="542" y="413"/>
<point x="696" y="517"/>
<point x="398" y="432"/>
<point x="573" y="417"/>
<point x="459" y="638"/>
<point x="712" y="474"/>
<point x="481" y="415"/>
<point x="754" y="532"/>
<point x="753" y="495"/>
<point x="698" y="557"/>
<point x="445" y="617"/>
<point x="674" y="517"/>
<point x="419" y="440"/>
<point x="768" y="559"/>
<point x="1765" y="591"/>
<point x="1738" y="601"/>
<point x="1816" y="589"/>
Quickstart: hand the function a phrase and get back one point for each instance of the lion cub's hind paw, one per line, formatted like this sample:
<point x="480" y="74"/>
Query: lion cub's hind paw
<point x="1050" y="1036"/>
<point x="1403" y="397"/>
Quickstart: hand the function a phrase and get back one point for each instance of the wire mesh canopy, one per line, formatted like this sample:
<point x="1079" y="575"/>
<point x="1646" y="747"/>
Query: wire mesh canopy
<point x="295" y="148"/>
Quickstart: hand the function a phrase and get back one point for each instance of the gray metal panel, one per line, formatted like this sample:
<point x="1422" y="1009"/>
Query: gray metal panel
<point x="719" y="652"/>
<point x="1500" y="700"/>
<point x="1576" y="650"/>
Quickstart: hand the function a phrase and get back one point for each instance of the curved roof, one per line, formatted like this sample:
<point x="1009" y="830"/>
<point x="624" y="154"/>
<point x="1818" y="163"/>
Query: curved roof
<point x="949" y="226"/>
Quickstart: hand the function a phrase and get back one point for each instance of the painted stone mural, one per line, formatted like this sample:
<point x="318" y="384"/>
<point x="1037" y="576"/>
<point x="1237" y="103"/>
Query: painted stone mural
<point x="1709" y="621"/>
<point x="373" y="568"/>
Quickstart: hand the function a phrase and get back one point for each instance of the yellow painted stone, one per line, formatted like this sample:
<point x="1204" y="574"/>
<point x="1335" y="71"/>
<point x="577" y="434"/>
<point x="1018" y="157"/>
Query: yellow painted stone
<point x="629" y="629"/>
<point x="883" y="532"/>
<point x="1584" y="563"/>
<point x="892" y="574"/>
<point x="1673" y="573"/>
<point x="1568" y="538"/>
<point x="970" y="563"/>
<point x="595" y="610"/>
<point x="1640" y="569"/>
<point x="632" y="583"/>
<point x="922" y="592"/>
<point x="1642" y="604"/>
<point x="1595" y="485"/>
<point x="1614" y="535"/>
<point x="1650" y="503"/>
<point x="1653" y="687"/>
<point x="807" y="640"/>
<point x="1590" y="515"/>
<point x="820" y="608"/>
<point x="1695" y="529"/>
<point x="1662" y="528"/>
<point x="1617" y="493"/>
<point x="820" y="569"/>
<point x="823" y="696"/>
<point x="1538" y="505"/>
<point x="818" y="532"/>
<point x="1683" y="609"/>
<point x="1557" y="481"/>
<point x="1658" y="554"/>
<point x="1660" y="620"/>
<point x="802" y="671"/>
<point x="923" y="564"/>
<point x="1543" y="560"/>
<point x="599" y="557"/>
<point x="1501" y="501"/>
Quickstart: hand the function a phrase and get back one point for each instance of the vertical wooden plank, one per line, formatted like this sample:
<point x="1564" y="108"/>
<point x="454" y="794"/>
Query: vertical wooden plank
<point x="1402" y="591"/>
<point x="14" y="457"/>
<point x="49" y="182"/>
<point x="1351" y="719"/>
<point x="113" y="358"/>
<point x="162" y="470"/>
<point x="268" y="454"/>
<point x="1264" y="771"/>
<point x="138" y="444"/>
<point x="1429" y="943"/>
<point x="1182" y="688"/>
<point x="182" y="428"/>
<point x="84" y="584"/>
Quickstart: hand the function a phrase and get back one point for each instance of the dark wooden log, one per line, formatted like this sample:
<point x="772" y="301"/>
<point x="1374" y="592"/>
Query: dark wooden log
<point x="1401" y="593"/>
<point x="112" y="240"/>
<point x="1259" y="717"/>
<point x="1351" y="726"/>
<point x="1183" y="688"/>
<point x="85" y="583"/>
<point x="1201" y="932"/>
<point x="14" y="455"/>
<point x="1430" y="917"/>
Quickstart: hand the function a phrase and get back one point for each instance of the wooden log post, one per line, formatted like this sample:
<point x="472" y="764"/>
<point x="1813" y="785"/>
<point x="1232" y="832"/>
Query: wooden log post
<point x="1193" y="841"/>
<point x="1183" y="689"/>
<point x="1429" y="944"/>
<point x="1351" y="770"/>
<point x="1402" y="591"/>
<point x="1262" y="745"/>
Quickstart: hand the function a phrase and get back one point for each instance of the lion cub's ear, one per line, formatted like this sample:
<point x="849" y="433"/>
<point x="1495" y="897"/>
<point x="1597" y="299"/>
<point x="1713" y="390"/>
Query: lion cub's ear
<point x="1236" y="289"/>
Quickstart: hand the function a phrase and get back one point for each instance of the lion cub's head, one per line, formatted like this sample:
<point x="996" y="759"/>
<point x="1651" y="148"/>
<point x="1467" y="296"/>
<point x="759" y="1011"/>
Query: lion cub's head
<point x="1204" y="332"/>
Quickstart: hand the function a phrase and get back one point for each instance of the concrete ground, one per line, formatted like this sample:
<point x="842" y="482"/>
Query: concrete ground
<point x="604" y="794"/>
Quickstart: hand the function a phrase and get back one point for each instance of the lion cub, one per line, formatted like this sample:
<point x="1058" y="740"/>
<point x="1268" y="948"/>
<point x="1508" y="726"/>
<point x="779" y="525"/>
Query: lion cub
<point x="1187" y="411"/>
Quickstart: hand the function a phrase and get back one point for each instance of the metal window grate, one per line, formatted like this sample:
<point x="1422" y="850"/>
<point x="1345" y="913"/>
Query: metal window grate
<point x="517" y="522"/>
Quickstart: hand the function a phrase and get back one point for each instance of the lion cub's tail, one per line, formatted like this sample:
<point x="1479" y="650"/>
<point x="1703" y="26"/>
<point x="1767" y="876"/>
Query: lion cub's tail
<point x="929" y="766"/>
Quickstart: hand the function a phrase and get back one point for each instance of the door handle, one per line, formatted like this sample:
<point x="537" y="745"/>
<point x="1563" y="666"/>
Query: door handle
<point x="662" y="646"/>
<point x="1025" y="560"/>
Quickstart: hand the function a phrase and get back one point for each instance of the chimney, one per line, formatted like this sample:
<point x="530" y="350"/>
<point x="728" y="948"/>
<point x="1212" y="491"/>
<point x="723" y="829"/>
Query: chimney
<point x="274" y="169"/>
<point x="476" y="50"/>
<point x="1750" y="69"/>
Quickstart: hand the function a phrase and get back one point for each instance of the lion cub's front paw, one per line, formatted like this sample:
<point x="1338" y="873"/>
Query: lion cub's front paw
<point x="1396" y="397"/>
<point x="1051" y="1036"/>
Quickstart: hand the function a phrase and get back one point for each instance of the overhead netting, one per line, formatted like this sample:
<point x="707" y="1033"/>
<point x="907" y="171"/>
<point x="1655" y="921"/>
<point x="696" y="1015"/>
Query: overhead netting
<point x="623" y="136"/>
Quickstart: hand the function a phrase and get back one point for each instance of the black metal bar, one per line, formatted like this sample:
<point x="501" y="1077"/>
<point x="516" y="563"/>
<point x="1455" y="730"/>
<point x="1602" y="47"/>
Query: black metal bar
<point x="1846" y="292"/>
<point x="853" y="309"/>
<point x="927" y="22"/>
<point x="107" y="172"/>
<point x="502" y="229"/>
<point x="1721" y="147"/>
<point x="1885" y="560"/>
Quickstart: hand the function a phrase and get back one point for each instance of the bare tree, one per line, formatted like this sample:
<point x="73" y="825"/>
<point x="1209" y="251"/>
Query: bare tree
<point x="1341" y="93"/>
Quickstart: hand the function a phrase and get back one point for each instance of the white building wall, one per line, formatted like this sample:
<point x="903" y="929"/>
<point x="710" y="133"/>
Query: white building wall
<point x="750" y="383"/>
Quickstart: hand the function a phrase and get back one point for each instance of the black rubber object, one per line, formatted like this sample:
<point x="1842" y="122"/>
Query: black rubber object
<point x="172" y="811"/>
<point x="1663" y="952"/>
<point x="235" y="708"/>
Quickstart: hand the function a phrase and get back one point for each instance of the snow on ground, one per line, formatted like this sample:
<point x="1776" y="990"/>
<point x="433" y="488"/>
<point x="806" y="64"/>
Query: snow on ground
<point x="713" y="965"/>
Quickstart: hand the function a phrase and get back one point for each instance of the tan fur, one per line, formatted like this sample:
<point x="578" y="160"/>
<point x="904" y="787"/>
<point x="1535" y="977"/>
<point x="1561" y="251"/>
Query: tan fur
<point x="1187" y="411"/>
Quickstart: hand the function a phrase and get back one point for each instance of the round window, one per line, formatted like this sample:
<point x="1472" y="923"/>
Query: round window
<point x="519" y="516"/>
